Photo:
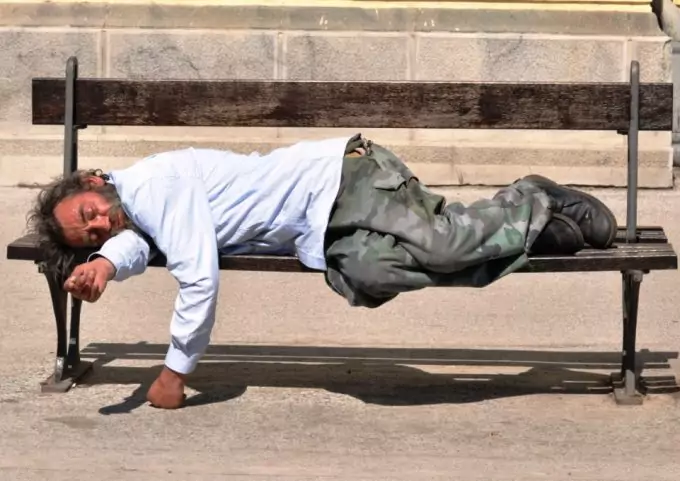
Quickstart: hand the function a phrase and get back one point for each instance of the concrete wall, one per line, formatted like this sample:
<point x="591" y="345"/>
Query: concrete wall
<point x="333" y="43"/>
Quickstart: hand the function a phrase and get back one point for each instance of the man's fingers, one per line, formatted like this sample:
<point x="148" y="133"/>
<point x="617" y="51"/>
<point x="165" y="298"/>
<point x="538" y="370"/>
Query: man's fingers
<point x="99" y="281"/>
<point x="99" y="285"/>
<point x="94" y="293"/>
<point x="86" y="282"/>
<point x="85" y="277"/>
<point x="79" y="294"/>
<point x="80" y="282"/>
<point x="82" y="278"/>
<point x="70" y="284"/>
<point x="96" y="288"/>
<point x="75" y="279"/>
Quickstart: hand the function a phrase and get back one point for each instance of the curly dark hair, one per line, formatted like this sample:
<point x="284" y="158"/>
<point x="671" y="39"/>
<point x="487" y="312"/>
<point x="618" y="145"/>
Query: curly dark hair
<point x="57" y="256"/>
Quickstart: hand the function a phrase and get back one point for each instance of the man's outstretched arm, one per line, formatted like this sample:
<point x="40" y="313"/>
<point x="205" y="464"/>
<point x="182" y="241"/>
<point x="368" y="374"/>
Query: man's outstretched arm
<point x="181" y="226"/>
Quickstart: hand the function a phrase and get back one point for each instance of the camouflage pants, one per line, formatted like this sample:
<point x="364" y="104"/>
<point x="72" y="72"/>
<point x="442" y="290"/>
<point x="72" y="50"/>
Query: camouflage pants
<point x="388" y="233"/>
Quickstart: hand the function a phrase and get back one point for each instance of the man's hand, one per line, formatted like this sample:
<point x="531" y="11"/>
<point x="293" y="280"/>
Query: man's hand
<point x="167" y="391"/>
<point x="88" y="281"/>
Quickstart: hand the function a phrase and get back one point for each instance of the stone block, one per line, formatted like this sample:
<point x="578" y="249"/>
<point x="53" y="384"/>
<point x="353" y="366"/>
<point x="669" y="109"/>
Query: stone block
<point x="500" y="175"/>
<point x="535" y="138"/>
<point x="327" y="16"/>
<point x="28" y="53"/>
<point x="346" y="57"/>
<point x="380" y="136"/>
<point x="148" y="54"/>
<point x="518" y="58"/>
<point x="198" y="136"/>
<point x="25" y="161"/>
<point x="27" y="170"/>
<point x="540" y="20"/>
<point x="479" y="164"/>
<point x="510" y="154"/>
<point x="654" y="56"/>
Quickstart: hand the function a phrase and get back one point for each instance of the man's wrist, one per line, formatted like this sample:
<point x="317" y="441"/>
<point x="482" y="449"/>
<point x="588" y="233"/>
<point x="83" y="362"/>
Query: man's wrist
<point x="173" y="376"/>
<point x="108" y="266"/>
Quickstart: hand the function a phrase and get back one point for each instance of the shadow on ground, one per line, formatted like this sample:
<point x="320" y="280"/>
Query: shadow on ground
<point x="383" y="376"/>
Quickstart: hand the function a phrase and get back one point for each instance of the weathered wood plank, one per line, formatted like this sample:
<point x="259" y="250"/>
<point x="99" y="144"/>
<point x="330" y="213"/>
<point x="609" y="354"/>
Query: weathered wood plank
<point x="354" y="104"/>
<point x="651" y="255"/>
<point x="645" y="234"/>
<point x="648" y="235"/>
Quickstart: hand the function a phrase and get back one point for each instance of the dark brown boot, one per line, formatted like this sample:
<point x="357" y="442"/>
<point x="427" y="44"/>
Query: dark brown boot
<point x="561" y="236"/>
<point x="595" y="220"/>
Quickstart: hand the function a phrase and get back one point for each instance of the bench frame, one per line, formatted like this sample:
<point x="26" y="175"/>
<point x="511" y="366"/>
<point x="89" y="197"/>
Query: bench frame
<point x="69" y="368"/>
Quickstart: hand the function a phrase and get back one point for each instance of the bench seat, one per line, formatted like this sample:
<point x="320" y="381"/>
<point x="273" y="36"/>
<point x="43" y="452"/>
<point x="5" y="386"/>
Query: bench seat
<point x="651" y="252"/>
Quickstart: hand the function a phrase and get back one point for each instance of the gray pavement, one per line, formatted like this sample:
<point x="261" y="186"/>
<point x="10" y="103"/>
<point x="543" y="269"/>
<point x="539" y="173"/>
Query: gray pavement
<point x="505" y="383"/>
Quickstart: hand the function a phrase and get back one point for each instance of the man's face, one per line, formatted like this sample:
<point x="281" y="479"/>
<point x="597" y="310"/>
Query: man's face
<point x="88" y="219"/>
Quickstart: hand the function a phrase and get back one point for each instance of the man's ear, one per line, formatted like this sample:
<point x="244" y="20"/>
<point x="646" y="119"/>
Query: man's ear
<point x="94" y="181"/>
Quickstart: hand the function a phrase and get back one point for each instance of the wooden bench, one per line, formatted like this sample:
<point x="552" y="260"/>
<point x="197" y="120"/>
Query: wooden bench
<point x="623" y="107"/>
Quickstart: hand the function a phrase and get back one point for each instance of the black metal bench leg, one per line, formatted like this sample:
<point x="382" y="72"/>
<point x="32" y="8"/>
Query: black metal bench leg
<point x="626" y="390"/>
<point x="59" y="300"/>
<point x="77" y="367"/>
<point x="68" y="368"/>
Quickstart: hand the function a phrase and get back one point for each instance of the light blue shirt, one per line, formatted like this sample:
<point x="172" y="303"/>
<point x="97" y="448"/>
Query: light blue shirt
<point x="195" y="203"/>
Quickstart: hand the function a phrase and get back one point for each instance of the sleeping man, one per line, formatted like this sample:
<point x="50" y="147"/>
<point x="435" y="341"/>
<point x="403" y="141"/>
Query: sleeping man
<point x="344" y="206"/>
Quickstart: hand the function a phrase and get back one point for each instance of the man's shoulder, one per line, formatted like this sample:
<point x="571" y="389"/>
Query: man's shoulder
<point x="129" y="178"/>
<point x="141" y="171"/>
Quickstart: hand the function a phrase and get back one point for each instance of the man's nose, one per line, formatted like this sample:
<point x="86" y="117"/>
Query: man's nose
<point x="100" y="222"/>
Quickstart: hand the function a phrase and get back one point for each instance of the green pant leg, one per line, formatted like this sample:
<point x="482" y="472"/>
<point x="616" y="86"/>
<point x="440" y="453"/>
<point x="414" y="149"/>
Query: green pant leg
<point x="389" y="233"/>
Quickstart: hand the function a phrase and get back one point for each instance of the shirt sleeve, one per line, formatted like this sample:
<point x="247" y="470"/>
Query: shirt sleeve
<point x="176" y="215"/>
<point x="127" y="251"/>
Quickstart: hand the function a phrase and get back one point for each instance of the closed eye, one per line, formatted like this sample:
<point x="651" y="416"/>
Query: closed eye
<point x="85" y="214"/>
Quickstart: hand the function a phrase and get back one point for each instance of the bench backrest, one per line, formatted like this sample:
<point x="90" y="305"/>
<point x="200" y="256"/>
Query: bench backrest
<point x="623" y="107"/>
<point x="441" y="105"/>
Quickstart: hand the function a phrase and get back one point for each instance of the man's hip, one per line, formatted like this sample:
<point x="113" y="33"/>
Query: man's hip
<point x="379" y="193"/>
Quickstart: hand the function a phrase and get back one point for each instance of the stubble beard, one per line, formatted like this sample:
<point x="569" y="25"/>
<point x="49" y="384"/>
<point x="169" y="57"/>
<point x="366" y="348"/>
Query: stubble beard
<point x="116" y="211"/>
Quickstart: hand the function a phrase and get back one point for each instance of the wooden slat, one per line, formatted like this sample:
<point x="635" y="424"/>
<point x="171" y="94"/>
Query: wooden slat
<point x="25" y="247"/>
<point x="644" y="234"/>
<point x="610" y="260"/>
<point x="644" y="256"/>
<point x="354" y="104"/>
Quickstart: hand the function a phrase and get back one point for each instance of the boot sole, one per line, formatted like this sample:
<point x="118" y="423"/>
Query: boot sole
<point x="538" y="179"/>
